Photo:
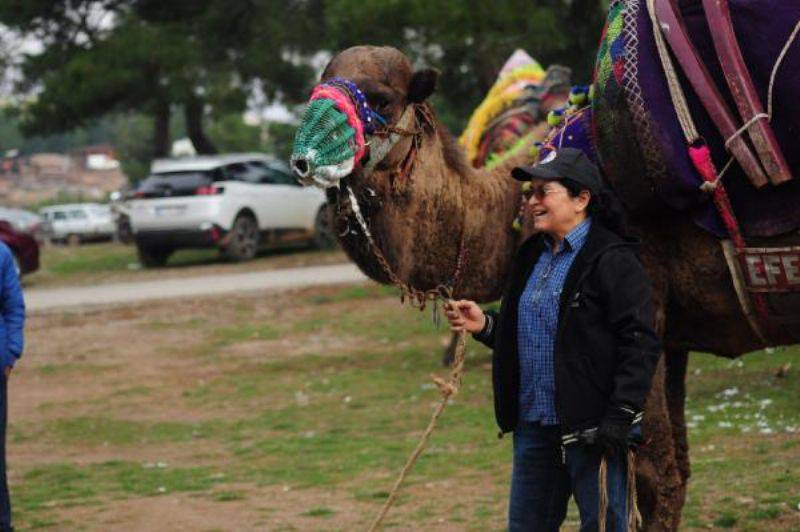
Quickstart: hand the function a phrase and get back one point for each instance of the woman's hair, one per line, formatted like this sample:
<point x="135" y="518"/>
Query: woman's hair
<point x="604" y="207"/>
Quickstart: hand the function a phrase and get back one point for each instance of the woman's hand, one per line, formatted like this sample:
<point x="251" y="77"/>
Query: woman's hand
<point x="465" y="315"/>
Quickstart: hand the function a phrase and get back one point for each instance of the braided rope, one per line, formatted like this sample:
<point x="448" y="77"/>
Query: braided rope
<point x="602" y="487"/>
<point x="674" y="85"/>
<point x="634" y="522"/>
<point x="634" y="516"/>
<point x="447" y="388"/>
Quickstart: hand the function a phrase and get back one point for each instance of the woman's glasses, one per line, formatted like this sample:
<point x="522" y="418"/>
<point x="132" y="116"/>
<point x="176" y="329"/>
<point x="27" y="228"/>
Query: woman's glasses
<point x="529" y="190"/>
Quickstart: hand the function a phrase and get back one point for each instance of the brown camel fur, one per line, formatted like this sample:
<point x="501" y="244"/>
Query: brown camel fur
<point x="418" y="223"/>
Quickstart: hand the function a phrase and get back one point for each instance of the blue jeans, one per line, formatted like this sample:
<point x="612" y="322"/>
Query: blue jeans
<point x="543" y="480"/>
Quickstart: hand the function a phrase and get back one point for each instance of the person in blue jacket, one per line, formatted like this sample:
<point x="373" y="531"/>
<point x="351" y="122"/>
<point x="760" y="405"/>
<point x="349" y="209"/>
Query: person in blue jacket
<point x="12" y="309"/>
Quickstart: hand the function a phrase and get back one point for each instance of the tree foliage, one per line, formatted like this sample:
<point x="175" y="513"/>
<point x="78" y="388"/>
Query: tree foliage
<point x="200" y="60"/>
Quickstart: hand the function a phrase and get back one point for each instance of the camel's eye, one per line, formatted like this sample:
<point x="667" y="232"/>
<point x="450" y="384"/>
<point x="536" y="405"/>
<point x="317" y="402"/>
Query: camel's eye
<point x="378" y="102"/>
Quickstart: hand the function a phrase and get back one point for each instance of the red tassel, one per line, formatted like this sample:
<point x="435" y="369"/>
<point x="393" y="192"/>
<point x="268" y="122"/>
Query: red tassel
<point x="701" y="158"/>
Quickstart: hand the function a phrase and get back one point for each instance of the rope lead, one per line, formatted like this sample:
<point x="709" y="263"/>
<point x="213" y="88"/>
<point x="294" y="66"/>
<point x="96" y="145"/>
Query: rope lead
<point x="447" y="388"/>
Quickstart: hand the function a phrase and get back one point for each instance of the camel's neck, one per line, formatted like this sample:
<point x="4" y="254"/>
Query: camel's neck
<point x="420" y="221"/>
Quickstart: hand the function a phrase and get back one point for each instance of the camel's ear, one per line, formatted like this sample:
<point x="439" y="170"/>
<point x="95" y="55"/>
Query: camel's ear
<point x="422" y="85"/>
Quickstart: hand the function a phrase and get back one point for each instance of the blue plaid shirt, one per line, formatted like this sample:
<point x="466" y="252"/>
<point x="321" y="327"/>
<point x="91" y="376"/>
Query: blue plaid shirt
<point x="537" y="325"/>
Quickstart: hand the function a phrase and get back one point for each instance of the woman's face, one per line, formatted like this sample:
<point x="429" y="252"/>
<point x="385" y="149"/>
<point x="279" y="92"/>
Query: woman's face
<point x="553" y="210"/>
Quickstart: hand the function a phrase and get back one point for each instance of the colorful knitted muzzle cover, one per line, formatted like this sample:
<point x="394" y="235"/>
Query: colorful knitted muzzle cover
<point x="331" y="138"/>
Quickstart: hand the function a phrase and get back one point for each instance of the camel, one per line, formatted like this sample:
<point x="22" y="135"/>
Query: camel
<point x="430" y="214"/>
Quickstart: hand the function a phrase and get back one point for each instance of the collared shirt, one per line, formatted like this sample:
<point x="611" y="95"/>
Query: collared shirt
<point x="537" y="325"/>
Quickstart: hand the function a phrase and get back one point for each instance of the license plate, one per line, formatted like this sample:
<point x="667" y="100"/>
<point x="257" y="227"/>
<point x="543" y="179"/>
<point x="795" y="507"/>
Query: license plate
<point x="170" y="210"/>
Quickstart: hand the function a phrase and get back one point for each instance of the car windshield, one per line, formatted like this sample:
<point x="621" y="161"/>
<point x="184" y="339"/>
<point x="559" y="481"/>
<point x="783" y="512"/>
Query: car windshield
<point x="264" y="172"/>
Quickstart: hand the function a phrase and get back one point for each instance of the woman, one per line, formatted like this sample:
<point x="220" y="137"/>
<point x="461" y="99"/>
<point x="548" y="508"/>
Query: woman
<point x="574" y="349"/>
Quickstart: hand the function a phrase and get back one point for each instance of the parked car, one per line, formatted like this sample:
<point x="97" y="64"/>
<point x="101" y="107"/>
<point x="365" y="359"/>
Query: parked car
<point x="25" y="222"/>
<point x="79" y="222"/>
<point x="236" y="203"/>
<point x="23" y="246"/>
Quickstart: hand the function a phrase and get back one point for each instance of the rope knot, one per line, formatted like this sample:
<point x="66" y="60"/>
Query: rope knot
<point x="446" y="388"/>
<point x="709" y="186"/>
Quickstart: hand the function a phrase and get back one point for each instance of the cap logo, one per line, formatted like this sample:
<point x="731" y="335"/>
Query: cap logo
<point x="548" y="158"/>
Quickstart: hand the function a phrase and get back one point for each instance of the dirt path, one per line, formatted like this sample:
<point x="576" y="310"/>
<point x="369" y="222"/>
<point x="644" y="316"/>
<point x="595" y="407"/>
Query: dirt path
<point x="133" y="292"/>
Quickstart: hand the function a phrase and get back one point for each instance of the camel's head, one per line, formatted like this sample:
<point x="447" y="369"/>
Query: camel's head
<point x="357" y="113"/>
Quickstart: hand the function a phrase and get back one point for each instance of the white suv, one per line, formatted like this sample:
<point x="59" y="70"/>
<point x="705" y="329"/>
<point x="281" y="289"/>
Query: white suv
<point x="235" y="202"/>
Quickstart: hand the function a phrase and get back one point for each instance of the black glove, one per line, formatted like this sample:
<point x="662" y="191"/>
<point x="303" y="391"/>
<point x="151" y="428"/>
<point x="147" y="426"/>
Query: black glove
<point x="612" y="435"/>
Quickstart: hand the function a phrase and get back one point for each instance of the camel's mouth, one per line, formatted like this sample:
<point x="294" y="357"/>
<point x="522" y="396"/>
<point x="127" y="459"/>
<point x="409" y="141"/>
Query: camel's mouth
<point x="325" y="148"/>
<point x="308" y="172"/>
<point x="330" y="140"/>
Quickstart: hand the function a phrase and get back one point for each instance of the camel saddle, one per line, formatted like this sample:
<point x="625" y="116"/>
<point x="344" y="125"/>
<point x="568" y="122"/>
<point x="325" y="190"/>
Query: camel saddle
<point x="725" y="52"/>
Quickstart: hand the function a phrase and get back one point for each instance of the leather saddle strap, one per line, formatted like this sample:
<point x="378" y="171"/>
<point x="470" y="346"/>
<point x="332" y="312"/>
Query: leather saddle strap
<point x="720" y="24"/>
<point x="673" y="28"/>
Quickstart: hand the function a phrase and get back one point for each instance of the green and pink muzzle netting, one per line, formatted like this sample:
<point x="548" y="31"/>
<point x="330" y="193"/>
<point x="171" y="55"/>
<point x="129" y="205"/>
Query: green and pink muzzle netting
<point x="330" y="141"/>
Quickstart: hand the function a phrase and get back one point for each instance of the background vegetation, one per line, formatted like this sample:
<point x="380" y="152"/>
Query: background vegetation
<point x="141" y="72"/>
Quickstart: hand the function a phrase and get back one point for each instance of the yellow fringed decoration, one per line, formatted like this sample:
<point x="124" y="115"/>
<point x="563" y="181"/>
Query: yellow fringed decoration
<point x="497" y="100"/>
<point x="532" y="73"/>
<point x="499" y="158"/>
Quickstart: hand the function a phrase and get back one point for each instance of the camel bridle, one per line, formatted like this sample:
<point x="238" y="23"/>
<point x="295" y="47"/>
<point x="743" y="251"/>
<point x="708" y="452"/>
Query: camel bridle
<point x="422" y="118"/>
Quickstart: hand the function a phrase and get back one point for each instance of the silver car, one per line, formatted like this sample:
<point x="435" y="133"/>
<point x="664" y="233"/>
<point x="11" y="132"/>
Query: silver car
<point x="79" y="222"/>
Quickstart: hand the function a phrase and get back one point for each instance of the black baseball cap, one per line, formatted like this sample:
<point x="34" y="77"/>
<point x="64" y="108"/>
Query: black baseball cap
<point x="564" y="163"/>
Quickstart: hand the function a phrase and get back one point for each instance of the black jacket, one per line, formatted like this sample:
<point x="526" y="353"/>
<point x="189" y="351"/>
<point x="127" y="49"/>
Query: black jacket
<point x="606" y="347"/>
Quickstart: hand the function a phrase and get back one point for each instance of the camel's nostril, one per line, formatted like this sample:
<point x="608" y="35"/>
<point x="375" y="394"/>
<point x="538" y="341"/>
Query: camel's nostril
<point x="300" y="167"/>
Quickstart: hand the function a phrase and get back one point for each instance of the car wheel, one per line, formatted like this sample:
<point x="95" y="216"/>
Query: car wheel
<point x="153" y="257"/>
<point x="73" y="240"/>
<point x="324" y="236"/>
<point x="243" y="239"/>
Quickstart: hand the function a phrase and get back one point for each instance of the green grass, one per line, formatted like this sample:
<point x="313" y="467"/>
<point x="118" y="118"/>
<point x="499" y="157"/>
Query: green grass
<point x="352" y="293"/>
<point x="62" y="485"/>
<point x="244" y="332"/>
<point x="343" y="419"/>
<point x="68" y="260"/>
<point x="744" y="428"/>
<point x="318" y="512"/>
<point x="106" y="431"/>
<point x="227" y="496"/>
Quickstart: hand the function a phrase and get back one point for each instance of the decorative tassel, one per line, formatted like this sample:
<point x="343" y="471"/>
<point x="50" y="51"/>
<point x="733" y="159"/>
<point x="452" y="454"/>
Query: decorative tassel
<point x="578" y="95"/>
<point x="555" y="117"/>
